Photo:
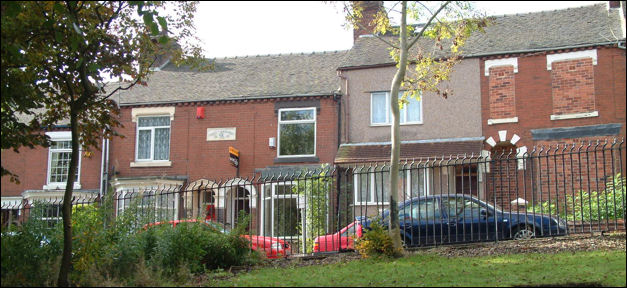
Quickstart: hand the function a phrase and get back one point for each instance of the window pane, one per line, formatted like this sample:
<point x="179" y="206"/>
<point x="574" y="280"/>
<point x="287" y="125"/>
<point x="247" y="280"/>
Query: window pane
<point x="286" y="217"/>
<point x="363" y="194"/>
<point x="59" y="166"/>
<point x="283" y="190"/>
<point x="154" y="121"/>
<point x="417" y="183"/>
<point x="381" y="186"/>
<point x="162" y="143"/>
<point x="427" y="210"/>
<point x="413" y="110"/>
<point x="61" y="145"/>
<point x="267" y="215"/>
<point x="143" y="145"/>
<point x="297" y="115"/>
<point x="378" y="108"/>
<point x="297" y="139"/>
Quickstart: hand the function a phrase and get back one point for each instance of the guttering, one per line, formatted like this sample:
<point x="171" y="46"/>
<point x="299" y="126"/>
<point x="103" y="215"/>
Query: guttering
<point x="238" y="99"/>
<point x="543" y="49"/>
<point x="447" y="140"/>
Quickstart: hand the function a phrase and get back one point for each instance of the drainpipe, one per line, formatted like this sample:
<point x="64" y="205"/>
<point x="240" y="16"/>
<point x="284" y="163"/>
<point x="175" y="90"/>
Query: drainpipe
<point x="346" y="109"/>
<point x="102" y="160"/>
<point x="337" y="96"/>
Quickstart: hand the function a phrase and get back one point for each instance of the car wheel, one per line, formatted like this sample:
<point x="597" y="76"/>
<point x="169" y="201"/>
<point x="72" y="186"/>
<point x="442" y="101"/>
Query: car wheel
<point x="524" y="232"/>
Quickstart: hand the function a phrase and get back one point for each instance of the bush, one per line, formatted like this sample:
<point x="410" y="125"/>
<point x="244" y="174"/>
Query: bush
<point x="30" y="254"/>
<point x="608" y="204"/>
<point x="376" y="242"/>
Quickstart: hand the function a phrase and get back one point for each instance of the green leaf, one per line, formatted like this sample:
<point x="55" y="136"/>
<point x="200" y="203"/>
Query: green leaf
<point x="163" y="23"/>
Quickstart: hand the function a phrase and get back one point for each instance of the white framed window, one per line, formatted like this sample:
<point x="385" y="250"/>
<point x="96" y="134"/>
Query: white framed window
<point x="371" y="186"/>
<point x="59" y="157"/>
<point x="297" y="132"/>
<point x="153" y="138"/>
<point x="156" y="203"/>
<point x="280" y="211"/>
<point x="380" y="110"/>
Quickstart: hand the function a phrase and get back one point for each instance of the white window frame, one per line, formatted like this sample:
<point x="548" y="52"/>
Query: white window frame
<point x="280" y="122"/>
<point x="273" y="197"/>
<point x="58" y="137"/>
<point x="388" y="109"/>
<point x="372" y="186"/>
<point x="152" y="140"/>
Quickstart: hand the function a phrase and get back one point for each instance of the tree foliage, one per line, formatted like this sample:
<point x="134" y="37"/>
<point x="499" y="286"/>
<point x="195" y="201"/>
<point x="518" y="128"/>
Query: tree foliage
<point x="425" y="55"/>
<point x="56" y="56"/>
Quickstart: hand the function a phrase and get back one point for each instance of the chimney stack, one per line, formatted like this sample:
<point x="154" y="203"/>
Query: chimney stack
<point x="368" y="13"/>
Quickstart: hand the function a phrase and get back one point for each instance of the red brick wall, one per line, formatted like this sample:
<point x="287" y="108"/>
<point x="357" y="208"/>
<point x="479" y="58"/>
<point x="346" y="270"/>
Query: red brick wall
<point x="32" y="167"/>
<point x="570" y="87"/>
<point x="573" y="86"/>
<point x="502" y="92"/>
<point x="534" y="96"/>
<point x="193" y="156"/>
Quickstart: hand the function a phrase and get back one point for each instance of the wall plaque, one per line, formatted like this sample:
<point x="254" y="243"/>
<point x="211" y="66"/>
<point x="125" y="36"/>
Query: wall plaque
<point x="220" y="134"/>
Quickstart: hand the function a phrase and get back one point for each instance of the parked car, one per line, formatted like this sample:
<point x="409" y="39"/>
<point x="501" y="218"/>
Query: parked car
<point x="452" y="218"/>
<point x="272" y="247"/>
<point x="341" y="240"/>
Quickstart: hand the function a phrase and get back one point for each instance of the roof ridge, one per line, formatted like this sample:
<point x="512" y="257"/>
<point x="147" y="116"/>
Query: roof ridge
<point x="280" y="54"/>
<point x="545" y="11"/>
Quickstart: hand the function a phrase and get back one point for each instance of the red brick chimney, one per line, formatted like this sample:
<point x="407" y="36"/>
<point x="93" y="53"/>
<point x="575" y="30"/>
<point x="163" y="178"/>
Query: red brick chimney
<point x="369" y="12"/>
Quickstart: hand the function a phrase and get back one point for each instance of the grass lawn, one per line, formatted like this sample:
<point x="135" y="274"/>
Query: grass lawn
<point x="595" y="268"/>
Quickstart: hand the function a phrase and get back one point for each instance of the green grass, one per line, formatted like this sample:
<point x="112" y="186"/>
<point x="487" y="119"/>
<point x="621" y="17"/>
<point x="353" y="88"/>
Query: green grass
<point x="596" y="268"/>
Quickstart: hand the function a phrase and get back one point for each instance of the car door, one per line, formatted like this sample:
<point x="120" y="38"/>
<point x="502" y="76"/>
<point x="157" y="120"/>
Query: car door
<point x="421" y="222"/>
<point x="468" y="219"/>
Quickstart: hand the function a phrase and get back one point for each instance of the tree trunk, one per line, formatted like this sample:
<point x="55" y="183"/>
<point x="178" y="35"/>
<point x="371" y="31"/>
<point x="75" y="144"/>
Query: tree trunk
<point x="394" y="230"/>
<point x="66" y="260"/>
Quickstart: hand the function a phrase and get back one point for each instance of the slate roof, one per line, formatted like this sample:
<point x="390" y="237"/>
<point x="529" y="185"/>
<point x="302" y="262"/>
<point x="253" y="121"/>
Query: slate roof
<point x="547" y="30"/>
<point x="241" y="78"/>
<point x="348" y="153"/>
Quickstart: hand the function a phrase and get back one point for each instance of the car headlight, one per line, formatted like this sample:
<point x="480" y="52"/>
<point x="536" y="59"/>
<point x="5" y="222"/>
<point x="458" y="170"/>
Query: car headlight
<point x="562" y="224"/>
<point x="276" y="246"/>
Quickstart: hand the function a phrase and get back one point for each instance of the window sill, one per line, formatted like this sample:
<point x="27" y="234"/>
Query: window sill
<point x="305" y="159"/>
<point x="502" y="120"/>
<point x="59" y="186"/>
<point x="575" y="115"/>
<point x="402" y="124"/>
<point x="152" y="164"/>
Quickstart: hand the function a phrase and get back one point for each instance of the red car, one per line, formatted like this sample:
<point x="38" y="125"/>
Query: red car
<point x="272" y="247"/>
<point x="342" y="240"/>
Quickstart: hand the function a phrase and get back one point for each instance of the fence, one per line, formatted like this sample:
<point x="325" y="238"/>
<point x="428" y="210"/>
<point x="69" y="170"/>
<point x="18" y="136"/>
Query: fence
<point x="548" y="191"/>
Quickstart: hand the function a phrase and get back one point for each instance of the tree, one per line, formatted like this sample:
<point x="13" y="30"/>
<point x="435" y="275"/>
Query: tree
<point x="445" y="25"/>
<point x="56" y="55"/>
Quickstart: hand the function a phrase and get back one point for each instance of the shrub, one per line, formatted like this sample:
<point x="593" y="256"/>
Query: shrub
<point x="608" y="204"/>
<point x="376" y="242"/>
<point x="30" y="253"/>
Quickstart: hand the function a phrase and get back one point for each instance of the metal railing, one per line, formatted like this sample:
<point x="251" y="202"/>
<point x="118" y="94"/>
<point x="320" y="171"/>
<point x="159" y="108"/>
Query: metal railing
<point x="546" y="191"/>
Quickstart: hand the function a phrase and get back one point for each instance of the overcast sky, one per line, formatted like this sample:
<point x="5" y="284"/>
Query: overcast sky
<point x="230" y="29"/>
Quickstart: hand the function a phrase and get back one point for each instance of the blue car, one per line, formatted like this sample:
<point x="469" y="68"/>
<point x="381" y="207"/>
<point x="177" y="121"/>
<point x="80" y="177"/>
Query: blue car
<point x="457" y="218"/>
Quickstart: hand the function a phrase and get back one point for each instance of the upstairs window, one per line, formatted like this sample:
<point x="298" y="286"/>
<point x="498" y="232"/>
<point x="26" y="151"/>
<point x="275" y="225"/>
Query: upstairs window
<point x="380" y="112"/>
<point x="153" y="138"/>
<point x="59" y="157"/>
<point x="297" y="132"/>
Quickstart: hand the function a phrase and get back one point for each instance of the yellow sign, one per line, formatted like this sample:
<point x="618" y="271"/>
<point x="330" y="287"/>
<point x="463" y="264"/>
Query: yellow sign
<point x="233" y="151"/>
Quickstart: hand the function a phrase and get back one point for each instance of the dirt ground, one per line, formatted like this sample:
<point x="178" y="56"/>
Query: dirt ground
<point x="578" y="242"/>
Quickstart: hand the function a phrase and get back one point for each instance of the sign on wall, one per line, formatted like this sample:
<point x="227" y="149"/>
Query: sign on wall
<point x="234" y="156"/>
<point x="221" y="134"/>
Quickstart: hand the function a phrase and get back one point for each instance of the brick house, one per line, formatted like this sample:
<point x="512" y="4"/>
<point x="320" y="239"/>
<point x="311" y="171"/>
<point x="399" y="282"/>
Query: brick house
<point x="42" y="174"/>
<point x="543" y="86"/>
<point x="278" y="111"/>
<point x="531" y="79"/>
<point x="433" y="129"/>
